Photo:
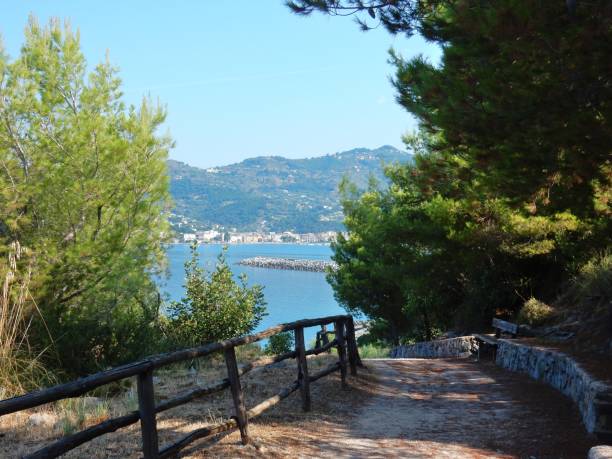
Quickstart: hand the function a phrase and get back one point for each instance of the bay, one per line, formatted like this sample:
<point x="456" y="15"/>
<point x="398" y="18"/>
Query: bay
<point x="290" y="295"/>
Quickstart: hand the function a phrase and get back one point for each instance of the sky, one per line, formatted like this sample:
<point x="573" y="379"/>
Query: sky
<point x="241" y="78"/>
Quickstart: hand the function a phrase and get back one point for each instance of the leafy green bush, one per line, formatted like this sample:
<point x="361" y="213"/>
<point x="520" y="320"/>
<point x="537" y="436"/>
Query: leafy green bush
<point x="534" y="312"/>
<point x="280" y="343"/>
<point x="215" y="306"/>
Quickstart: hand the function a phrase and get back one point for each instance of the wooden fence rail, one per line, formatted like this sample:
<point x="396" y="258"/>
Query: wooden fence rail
<point x="344" y="342"/>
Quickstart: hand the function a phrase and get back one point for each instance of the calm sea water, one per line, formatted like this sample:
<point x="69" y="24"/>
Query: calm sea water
<point x="291" y="295"/>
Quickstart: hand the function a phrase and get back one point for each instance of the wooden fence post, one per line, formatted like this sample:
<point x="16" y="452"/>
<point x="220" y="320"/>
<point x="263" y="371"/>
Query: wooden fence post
<point x="303" y="378"/>
<point x="234" y="379"/>
<point x="353" y="354"/>
<point x="341" y="346"/>
<point x="146" y="407"/>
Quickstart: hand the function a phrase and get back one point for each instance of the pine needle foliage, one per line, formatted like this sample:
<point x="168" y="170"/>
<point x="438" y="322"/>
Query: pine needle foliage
<point x="509" y="193"/>
<point x="83" y="185"/>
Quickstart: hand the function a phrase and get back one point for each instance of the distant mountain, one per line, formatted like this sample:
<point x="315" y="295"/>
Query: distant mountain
<point x="272" y="193"/>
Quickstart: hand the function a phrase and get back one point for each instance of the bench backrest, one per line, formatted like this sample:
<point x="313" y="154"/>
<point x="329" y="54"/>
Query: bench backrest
<point x="507" y="327"/>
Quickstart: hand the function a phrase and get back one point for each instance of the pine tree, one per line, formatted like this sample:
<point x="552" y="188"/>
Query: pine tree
<point x="512" y="182"/>
<point x="84" y="187"/>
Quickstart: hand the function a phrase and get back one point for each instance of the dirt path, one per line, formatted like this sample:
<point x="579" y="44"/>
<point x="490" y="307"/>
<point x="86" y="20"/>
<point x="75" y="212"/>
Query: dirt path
<point x="442" y="408"/>
<point x="415" y="408"/>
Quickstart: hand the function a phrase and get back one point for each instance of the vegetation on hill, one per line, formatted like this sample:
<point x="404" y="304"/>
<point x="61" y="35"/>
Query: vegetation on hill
<point x="275" y="193"/>
<point x="509" y="193"/>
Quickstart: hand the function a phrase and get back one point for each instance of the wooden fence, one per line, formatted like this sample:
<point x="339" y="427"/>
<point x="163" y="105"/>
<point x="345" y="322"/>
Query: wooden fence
<point x="344" y="342"/>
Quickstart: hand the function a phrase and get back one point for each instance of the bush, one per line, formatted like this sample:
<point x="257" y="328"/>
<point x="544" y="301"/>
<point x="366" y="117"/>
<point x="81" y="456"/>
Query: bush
<point x="534" y="312"/>
<point x="593" y="283"/>
<point x="215" y="306"/>
<point x="280" y="343"/>
<point x="374" y="351"/>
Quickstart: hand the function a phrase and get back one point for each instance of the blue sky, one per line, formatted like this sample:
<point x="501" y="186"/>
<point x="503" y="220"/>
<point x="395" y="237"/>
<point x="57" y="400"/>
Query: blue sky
<point x="241" y="78"/>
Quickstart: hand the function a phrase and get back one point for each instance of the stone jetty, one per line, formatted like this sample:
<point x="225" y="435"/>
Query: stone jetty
<point x="288" y="263"/>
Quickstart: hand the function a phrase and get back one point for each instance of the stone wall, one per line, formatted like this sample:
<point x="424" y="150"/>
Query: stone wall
<point x="600" y="452"/>
<point x="452" y="347"/>
<point x="558" y="370"/>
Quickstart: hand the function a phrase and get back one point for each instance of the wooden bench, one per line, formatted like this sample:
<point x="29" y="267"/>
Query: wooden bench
<point x="500" y="326"/>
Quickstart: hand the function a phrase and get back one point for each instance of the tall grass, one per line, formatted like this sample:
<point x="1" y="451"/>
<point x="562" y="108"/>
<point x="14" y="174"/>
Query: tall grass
<point x="77" y="413"/>
<point x="20" y="367"/>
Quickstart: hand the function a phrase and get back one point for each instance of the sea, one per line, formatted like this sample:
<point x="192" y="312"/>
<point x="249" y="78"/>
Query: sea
<point x="290" y="295"/>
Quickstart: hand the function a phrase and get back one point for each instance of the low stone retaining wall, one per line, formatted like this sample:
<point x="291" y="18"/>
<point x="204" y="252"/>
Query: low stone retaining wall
<point x="452" y="347"/>
<point x="560" y="371"/>
<point x="600" y="452"/>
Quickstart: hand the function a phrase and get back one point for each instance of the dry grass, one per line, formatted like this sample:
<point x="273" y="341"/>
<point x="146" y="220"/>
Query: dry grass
<point x="20" y="368"/>
<point x="20" y="437"/>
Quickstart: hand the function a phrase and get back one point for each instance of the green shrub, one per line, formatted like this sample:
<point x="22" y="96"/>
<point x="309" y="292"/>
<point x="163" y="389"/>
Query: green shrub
<point x="534" y="312"/>
<point x="215" y="306"/>
<point x="280" y="343"/>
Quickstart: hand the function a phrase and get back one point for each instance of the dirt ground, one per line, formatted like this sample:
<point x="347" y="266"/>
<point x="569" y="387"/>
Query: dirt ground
<point x="400" y="408"/>
<point x="417" y="408"/>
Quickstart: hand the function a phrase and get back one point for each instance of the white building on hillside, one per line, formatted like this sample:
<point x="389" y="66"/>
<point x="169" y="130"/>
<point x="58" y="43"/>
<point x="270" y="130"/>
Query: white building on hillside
<point x="207" y="236"/>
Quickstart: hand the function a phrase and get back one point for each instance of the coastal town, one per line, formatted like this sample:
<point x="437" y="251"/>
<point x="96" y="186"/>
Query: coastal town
<point x="253" y="237"/>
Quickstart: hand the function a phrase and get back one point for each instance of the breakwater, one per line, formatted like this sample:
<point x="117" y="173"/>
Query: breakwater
<point x="288" y="263"/>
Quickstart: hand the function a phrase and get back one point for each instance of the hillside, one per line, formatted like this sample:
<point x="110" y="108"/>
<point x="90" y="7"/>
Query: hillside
<point x="273" y="193"/>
